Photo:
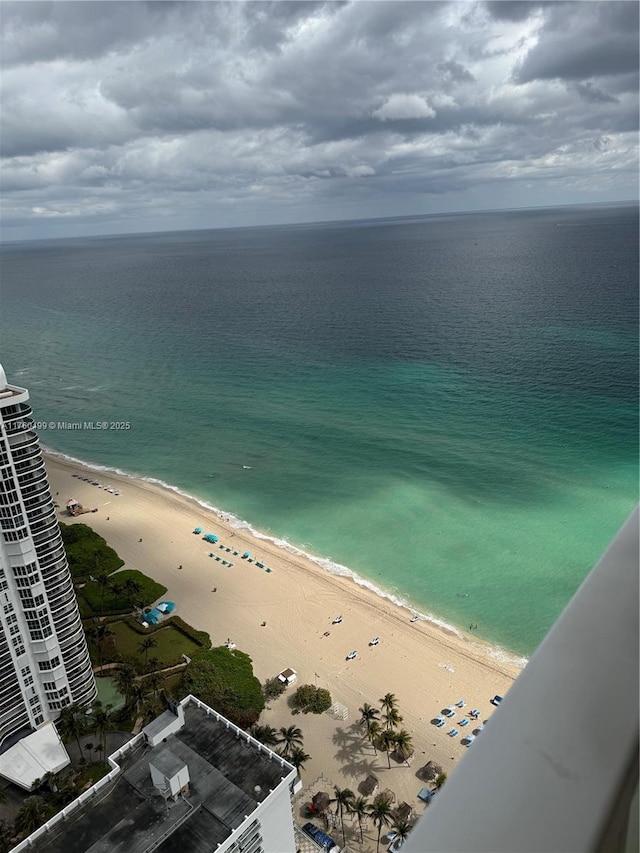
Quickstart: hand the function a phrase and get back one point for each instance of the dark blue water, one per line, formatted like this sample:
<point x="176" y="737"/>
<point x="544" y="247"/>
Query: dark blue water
<point x="446" y="405"/>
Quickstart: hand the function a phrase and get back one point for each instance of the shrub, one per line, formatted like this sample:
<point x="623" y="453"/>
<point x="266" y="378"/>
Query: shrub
<point x="311" y="699"/>
<point x="87" y="552"/>
<point x="223" y="678"/>
<point x="120" y="600"/>
<point x="272" y="688"/>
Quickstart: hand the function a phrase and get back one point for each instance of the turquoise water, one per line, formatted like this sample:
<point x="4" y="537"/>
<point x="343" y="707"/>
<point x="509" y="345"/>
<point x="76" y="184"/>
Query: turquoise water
<point x="447" y="407"/>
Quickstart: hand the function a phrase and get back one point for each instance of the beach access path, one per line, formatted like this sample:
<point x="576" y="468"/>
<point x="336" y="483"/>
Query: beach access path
<point x="424" y="665"/>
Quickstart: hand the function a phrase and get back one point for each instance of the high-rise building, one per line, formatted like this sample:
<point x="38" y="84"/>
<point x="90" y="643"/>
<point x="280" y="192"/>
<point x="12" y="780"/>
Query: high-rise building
<point x="44" y="660"/>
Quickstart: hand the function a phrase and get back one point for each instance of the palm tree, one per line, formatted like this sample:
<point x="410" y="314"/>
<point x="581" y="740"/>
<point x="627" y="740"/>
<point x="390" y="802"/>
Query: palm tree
<point x="380" y="812"/>
<point x="72" y="722"/>
<point x="368" y="715"/>
<point x="89" y="749"/>
<point x="145" y="645"/>
<point x="104" y="582"/>
<point x="392" y="718"/>
<point x="33" y="814"/>
<point x="125" y="680"/>
<point x="291" y="738"/>
<point x="343" y="799"/>
<point x="388" y="701"/>
<point x="5" y="837"/>
<point x="101" y="724"/>
<point x="298" y="758"/>
<point x="359" y="808"/>
<point x="154" y="682"/>
<point x="132" y="589"/>
<point x="375" y="730"/>
<point x="402" y="828"/>
<point x="439" y="781"/>
<point x="101" y="633"/>
<point x="386" y="742"/>
<point x="266" y="735"/>
<point x="404" y="745"/>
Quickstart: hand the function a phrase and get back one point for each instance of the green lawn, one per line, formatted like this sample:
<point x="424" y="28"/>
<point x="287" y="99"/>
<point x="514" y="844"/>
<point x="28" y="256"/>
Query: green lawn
<point x="171" y="643"/>
<point x="92" y="773"/>
<point x="118" y="600"/>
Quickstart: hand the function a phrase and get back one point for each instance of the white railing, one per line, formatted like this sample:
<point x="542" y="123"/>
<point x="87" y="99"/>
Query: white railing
<point x="556" y="770"/>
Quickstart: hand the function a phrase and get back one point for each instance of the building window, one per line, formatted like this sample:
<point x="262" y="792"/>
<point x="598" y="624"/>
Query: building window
<point x="49" y="685"/>
<point x="39" y="719"/>
<point x="49" y="664"/>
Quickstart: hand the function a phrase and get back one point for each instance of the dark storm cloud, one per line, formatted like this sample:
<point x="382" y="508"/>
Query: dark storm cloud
<point x="600" y="41"/>
<point x="210" y="113"/>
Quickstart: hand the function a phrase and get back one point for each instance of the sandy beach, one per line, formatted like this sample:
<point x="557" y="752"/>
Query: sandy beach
<point x="427" y="667"/>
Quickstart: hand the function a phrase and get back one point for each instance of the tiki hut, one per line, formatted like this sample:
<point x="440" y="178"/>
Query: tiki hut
<point x="321" y="802"/>
<point x="404" y="812"/>
<point x="387" y="795"/>
<point x="369" y="785"/>
<point x="430" y="771"/>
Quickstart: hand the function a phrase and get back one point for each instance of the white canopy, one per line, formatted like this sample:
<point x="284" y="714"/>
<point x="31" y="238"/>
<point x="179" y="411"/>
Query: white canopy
<point x="34" y="756"/>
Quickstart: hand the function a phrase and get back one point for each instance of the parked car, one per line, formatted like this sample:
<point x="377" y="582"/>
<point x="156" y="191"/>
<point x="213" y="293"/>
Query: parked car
<point x="352" y="655"/>
<point x="325" y="841"/>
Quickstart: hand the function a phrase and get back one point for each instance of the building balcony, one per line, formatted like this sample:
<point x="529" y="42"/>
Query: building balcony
<point x="39" y="487"/>
<point x="30" y="439"/>
<point x="557" y="767"/>
<point x="48" y="536"/>
<point x="23" y="460"/>
<point x="18" y="425"/>
<point x="20" y="410"/>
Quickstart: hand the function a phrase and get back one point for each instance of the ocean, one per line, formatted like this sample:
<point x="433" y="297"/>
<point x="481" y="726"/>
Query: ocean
<point x="445" y="406"/>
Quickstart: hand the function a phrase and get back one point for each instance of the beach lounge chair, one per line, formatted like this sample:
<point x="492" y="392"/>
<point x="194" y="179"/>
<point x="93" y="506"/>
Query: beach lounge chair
<point x="449" y="711"/>
<point x="198" y="530"/>
<point x="453" y="732"/>
<point x="474" y="714"/>
<point x="460" y="703"/>
<point x="245" y="555"/>
<point x="464" y="722"/>
<point x="440" y="721"/>
<point x="467" y="740"/>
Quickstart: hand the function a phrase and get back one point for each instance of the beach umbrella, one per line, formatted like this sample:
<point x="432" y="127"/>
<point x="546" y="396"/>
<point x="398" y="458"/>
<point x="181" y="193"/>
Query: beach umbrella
<point x="430" y="770"/>
<point x="369" y="785"/>
<point x="387" y="795"/>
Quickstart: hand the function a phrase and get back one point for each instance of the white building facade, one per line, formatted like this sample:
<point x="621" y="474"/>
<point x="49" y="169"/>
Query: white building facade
<point x="44" y="660"/>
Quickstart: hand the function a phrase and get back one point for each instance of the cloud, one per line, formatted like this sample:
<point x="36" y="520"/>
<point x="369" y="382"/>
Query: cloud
<point x="132" y="115"/>
<point x="404" y="106"/>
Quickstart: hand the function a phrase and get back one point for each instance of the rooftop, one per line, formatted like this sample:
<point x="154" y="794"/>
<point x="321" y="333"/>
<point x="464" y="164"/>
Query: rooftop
<point x="230" y="775"/>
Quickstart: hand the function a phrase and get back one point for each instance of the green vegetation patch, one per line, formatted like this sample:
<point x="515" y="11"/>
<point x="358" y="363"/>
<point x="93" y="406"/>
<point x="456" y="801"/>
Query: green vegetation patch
<point x="171" y="644"/>
<point x="311" y="699"/>
<point x="87" y="552"/>
<point x="121" y="592"/>
<point x="223" y="678"/>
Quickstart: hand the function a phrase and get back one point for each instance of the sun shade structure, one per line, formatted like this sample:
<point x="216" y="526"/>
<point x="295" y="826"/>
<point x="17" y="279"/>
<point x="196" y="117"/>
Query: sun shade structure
<point x="321" y="801"/>
<point x="430" y="770"/>
<point x="369" y="785"/>
<point x="33" y="757"/>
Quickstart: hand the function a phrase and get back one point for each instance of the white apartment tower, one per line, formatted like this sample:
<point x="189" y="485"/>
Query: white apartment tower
<point x="44" y="660"/>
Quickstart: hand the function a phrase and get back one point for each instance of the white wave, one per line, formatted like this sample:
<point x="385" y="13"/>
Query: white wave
<point x="493" y="651"/>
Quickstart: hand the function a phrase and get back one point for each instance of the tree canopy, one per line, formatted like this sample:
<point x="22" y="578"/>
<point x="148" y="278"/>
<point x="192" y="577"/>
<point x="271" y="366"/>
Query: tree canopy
<point x="223" y="678"/>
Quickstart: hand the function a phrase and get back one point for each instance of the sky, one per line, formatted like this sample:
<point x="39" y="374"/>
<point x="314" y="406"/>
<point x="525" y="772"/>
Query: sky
<point x="125" y="117"/>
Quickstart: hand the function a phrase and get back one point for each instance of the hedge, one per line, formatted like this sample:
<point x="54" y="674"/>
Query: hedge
<point x="121" y="602"/>
<point x="223" y="678"/>
<point x="199" y="637"/>
<point x="87" y="552"/>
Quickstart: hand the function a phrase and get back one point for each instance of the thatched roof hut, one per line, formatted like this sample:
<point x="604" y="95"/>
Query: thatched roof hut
<point x="430" y="770"/>
<point x="404" y="811"/>
<point x="387" y="795"/>
<point x="369" y="785"/>
<point x="321" y="801"/>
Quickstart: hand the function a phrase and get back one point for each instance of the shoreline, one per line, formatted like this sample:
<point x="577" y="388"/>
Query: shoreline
<point x="285" y="618"/>
<point x="325" y="564"/>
